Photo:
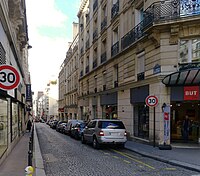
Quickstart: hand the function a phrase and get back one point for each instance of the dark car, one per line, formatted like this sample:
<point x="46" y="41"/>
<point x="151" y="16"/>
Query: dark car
<point x="59" y="126"/>
<point x="70" y="123"/>
<point x="53" y="124"/>
<point x="77" y="129"/>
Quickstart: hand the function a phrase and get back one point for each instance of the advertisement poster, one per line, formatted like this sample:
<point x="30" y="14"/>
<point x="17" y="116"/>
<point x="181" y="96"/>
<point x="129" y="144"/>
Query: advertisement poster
<point x="166" y="116"/>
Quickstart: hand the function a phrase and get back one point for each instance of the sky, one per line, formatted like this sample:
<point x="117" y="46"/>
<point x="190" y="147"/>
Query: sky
<point x="49" y="31"/>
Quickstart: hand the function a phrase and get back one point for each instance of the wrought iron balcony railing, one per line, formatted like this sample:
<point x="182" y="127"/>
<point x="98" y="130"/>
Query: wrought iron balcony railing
<point x="115" y="49"/>
<point x="159" y="12"/>
<point x="185" y="66"/>
<point x="115" y="9"/>
<point x="103" y="57"/>
<point x="81" y="73"/>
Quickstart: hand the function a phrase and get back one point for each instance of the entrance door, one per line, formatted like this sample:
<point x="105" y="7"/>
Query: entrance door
<point x="178" y="112"/>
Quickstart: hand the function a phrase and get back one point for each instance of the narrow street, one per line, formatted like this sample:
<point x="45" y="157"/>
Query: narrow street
<point x="65" y="156"/>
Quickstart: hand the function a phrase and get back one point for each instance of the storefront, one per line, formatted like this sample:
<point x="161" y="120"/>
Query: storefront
<point x="141" y="112"/>
<point x="3" y="125"/>
<point x="109" y="105"/>
<point x="185" y="101"/>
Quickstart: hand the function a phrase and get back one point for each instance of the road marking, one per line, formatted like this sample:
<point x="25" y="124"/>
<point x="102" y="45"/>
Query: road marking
<point x="127" y="161"/>
<point x="170" y="169"/>
<point x="115" y="157"/>
<point x="130" y="157"/>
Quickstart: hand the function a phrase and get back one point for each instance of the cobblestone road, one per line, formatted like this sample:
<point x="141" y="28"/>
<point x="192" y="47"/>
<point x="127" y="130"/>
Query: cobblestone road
<point x="64" y="156"/>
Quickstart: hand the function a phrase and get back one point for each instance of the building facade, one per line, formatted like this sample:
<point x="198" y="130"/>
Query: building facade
<point x="129" y="50"/>
<point x="15" y="104"/>
<point x="68" y="80"/>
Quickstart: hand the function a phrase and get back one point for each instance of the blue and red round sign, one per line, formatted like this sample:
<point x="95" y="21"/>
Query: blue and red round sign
<point x="9" y="77"/>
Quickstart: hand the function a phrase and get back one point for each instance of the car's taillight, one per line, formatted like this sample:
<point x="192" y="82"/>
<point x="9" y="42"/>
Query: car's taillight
<point x="125" y="133"/>
<point x="101" y="133"/>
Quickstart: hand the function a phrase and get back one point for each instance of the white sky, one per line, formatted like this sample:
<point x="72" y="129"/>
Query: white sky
<point x="47" y="53"/>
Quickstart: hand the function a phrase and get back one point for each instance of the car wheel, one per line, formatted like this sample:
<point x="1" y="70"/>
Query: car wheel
<point x="83" y="139"/>
<point x="95" y="143"/>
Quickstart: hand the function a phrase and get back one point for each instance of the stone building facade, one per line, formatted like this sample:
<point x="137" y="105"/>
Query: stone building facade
<point x="15" y="104"/>
<point x="129" y="50"/>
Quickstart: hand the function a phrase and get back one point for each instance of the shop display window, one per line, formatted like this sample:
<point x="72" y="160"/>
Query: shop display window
<point x="3" y="126"/>
<point x="14" y="120"/>
<point x="141" y="121"/>
<point x="110" y="112"/>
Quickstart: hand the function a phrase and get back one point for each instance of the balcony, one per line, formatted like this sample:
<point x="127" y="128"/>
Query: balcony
<point x="115" y="9"/>
<point x="103" y="57"/>
<point x="95" y="5"/>
<point x="94" y="63"/>
<point x="87" y="69"/>
<point x="115" y="49"/>
<point x="95" y="34"/>
<point x="159" y="12"/>
<point x="187" y="66"/>
<point x="104" y="24"/>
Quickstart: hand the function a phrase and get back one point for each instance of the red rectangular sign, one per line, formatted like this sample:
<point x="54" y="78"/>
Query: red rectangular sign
<point x="191" y="93"/>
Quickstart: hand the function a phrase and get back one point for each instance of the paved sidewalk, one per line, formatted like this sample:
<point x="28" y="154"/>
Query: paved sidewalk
<point x="17" y="160"/>
<point x="184" y="156"/>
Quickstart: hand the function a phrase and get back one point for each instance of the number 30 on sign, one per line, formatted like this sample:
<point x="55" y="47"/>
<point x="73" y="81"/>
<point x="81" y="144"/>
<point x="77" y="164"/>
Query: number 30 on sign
<point x="151" y="101"/>
<point x="9" y="77"/>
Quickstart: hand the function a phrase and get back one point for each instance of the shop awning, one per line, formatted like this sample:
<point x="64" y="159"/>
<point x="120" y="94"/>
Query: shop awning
<point x="189" y="77"/>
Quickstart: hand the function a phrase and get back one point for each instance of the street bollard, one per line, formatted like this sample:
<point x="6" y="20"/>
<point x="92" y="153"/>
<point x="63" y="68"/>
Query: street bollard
<point x="30" y="158"/>
<point x="30" y="145"/>
<point x="29" y="171"/>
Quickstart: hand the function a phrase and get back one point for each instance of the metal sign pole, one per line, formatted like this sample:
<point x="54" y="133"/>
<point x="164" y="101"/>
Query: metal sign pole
<point x="154" y="126"/>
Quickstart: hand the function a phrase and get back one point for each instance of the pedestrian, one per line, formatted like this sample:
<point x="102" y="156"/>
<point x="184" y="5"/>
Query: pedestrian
<point x="186" y="128"/>
<point x="29" y="125"/>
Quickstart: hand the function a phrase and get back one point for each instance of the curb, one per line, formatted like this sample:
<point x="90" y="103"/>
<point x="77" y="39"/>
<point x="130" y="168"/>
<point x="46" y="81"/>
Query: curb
<point x="39" y="165"/>
<point x="165" y="160"/>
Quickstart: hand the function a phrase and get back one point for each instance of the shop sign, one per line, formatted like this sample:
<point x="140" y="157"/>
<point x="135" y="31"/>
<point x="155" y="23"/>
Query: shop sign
<point x="191" y="93"/>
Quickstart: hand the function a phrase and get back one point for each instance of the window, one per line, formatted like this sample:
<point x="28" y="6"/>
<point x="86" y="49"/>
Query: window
<point x="14" y="120"/>
<point x="3" y="126"/>
<point x="139" y="15"/>
<point x="189" y="51"/>
<point x="115" y="35"/>
<point x="141" y="121"/>
<point x="2" y="55"/>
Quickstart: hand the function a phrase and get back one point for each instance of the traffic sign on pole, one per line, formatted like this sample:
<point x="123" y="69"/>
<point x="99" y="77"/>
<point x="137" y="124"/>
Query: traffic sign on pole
<point x="9" y="77"/>
<point x="151" y="101"/>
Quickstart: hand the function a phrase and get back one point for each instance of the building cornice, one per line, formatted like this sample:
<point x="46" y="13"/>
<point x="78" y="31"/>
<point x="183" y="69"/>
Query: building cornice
<point x="83" y="4"/>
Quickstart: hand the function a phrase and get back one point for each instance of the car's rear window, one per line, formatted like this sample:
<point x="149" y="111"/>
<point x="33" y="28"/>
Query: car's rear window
<point x="111" y="125"/>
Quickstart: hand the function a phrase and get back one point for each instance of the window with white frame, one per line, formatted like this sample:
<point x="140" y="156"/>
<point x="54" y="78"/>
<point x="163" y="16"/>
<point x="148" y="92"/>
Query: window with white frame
<point x="189" y="50"/>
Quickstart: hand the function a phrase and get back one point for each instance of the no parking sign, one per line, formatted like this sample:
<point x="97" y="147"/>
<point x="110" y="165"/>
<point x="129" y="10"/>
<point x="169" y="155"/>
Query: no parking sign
<point x="9" y="77"/>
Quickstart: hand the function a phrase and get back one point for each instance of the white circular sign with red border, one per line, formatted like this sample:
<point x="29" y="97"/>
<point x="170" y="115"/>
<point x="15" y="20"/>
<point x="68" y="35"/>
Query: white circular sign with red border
<point x="151" y="101"/>
<point x="9" y="77"/>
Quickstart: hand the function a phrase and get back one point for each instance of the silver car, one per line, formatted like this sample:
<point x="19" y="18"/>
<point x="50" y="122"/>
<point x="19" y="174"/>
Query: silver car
<point x="103" y="131"/>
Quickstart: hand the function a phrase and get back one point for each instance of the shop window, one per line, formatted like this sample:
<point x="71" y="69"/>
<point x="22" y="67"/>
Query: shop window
<point x="3" y="126"/>
<point x="141" y="121"/>
<point x="14" y="120"/>
<point x="110" y="112"/>
<point x="189" y="51"/>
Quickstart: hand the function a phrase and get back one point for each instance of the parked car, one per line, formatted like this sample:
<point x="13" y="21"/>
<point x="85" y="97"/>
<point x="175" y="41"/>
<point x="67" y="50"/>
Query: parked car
<point x="59" y="125"/>
<point x="103" y="131"/>
<point x="68" y="127"/>
<point x="53" y="124"/>
<point x="77" y="129"/>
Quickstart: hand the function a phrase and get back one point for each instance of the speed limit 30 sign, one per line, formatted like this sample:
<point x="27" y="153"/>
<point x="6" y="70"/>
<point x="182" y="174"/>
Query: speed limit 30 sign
<point x="151" y="101"/>
<point x="9" y="77"/>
